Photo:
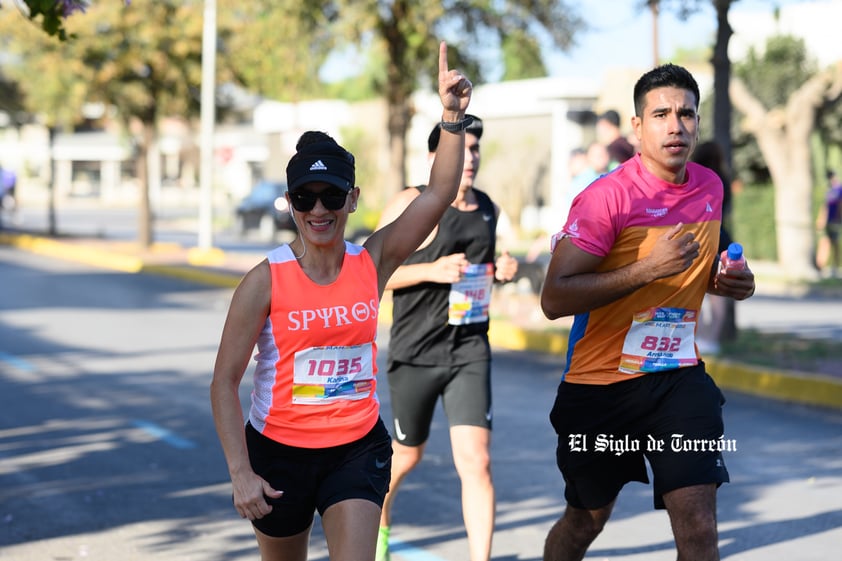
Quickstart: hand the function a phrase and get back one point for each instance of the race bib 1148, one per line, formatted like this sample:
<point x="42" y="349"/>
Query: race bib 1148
<point x="470" y="297"/>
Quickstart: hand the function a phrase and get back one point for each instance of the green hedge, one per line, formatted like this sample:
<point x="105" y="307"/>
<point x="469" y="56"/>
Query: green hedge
<point x="753" y="221"/>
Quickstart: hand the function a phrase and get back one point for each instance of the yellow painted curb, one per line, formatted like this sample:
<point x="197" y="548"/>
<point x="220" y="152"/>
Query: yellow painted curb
<point x="90" y="256"/>
<point x="508" y="336"/>
<point x="812" y="389"/>
<point x="192" y="274"/>
<point x="205" y="257"/>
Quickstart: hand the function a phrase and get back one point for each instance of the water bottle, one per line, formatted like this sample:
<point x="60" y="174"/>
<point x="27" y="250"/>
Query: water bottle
<point x="732" y="259"/>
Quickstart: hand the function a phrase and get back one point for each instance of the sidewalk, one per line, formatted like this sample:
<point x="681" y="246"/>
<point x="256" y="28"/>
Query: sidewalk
<point x="517" y="323"/>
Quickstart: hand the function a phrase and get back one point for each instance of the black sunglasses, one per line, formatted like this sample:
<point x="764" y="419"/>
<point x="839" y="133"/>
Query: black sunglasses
<point x="304" y="201"/>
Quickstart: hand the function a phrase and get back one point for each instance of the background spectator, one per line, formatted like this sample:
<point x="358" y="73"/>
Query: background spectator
<point x="829" y="223"/>
<point x="608" y="134"/>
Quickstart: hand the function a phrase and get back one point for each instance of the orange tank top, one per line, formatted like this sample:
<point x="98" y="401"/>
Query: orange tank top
<point x="315" y="379"/>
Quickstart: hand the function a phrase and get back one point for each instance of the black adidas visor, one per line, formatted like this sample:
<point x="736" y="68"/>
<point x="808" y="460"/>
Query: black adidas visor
<point x="310" y="166"/>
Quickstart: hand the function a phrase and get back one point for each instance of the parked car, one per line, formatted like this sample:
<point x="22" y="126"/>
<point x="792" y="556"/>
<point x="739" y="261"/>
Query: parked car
<point x="265" y="210"/>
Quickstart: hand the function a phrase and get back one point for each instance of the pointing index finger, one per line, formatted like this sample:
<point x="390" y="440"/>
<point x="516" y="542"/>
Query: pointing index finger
<point x="443" y="57"/>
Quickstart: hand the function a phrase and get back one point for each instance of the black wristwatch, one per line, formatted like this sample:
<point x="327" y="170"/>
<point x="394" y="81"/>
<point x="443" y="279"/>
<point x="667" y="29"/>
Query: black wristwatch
<point x="457" y="126"/>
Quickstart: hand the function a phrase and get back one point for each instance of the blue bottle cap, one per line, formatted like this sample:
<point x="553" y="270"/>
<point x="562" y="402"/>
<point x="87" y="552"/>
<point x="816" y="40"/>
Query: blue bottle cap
<point x="735" y="251"/>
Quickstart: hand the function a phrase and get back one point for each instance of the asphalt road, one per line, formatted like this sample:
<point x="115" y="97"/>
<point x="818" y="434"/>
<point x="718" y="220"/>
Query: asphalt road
<point x="170" y="225"/>
<point x="107" y="448"/>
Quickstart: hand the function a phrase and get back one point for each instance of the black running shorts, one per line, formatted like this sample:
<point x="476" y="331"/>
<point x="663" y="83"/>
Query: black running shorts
<point x="465" y="391"/>
<point x="673" y="419"/>
<point x="317" y="478"/>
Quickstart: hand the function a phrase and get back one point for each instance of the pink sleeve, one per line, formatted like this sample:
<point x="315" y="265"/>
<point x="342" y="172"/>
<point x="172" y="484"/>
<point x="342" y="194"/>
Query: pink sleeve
<point x="589" y="226"/>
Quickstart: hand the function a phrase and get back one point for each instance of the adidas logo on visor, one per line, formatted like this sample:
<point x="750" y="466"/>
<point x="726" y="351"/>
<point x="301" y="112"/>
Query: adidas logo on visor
<point x="318" y="166"/>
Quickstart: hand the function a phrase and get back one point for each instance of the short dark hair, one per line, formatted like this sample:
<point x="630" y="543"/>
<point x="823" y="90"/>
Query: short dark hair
<point x="664" y="76"/>
<point x="611" y="116"/>
<point x="474" y="128"/>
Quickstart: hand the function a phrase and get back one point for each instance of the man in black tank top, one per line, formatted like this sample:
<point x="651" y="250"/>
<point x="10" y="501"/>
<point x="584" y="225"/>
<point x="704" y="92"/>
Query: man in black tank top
<point x="439" y="345"/>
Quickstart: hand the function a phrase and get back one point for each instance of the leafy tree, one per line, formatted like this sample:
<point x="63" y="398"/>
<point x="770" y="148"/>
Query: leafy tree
<point x="781" y="95"/>
<point x="134" y="60"/>
<point x="11" y="101"/>
<point x="59" y="94"/>
<point x="361" y="86"/>
<point x="522" y="57"/>
<point x="138" y="62"/>
<point x="408" y="32"/>
<point x="52" y="14"/>
<point x="277" y="46"/>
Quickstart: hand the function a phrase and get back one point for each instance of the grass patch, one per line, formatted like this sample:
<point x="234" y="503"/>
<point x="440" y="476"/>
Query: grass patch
<point x="753" y="221"/>
<point x="784" y="352"/>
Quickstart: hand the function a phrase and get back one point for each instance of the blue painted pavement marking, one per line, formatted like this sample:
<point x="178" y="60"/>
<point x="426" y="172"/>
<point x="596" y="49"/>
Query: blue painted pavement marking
<point x="17" y="362"/>
<point x="406" y="551"/>
<point x="164" y="435"/>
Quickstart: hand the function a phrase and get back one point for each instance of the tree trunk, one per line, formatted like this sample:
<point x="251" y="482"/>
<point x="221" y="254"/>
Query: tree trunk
<point x="399" y="116"/>
<point x="722" y="82"/>
<point x="789" y="160"/>
<point x="398" y="95"/>
<point x="783" y="134"/>
<point x="144" y="224"/>
<point x="52" y="227"/>
<point x="722" y="112"/>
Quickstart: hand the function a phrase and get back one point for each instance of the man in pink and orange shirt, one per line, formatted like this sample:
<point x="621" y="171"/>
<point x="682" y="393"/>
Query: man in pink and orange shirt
<point x="632" y="264"/>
